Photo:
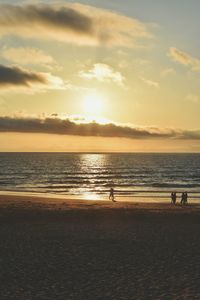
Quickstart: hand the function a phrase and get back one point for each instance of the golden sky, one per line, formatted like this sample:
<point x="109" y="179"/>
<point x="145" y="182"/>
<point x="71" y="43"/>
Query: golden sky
<point x="100" y="76"/>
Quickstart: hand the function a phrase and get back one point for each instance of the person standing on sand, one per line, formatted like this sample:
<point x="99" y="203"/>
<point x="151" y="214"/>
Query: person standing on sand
<point x="111" y="196"/>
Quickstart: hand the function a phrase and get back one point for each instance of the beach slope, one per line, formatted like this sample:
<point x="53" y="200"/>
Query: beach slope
<point x="67" y="249"/>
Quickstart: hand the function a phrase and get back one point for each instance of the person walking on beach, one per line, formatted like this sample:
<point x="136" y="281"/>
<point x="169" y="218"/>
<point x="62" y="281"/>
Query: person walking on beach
<point x="112" y="196"/>
<point x="173" y="198"/>
<point x="184" y="198"/>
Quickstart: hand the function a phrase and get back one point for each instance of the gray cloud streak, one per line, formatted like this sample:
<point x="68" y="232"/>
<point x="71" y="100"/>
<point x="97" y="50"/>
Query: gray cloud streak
<point x="16" y="78"/>
<point x="73" y="23"/>
<point x="19" y="77"/>
<point x="55" y="125"/>
<point x="12" y="15"/>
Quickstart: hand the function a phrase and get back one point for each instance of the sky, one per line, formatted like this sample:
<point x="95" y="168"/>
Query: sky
<point x="100" y="76"/>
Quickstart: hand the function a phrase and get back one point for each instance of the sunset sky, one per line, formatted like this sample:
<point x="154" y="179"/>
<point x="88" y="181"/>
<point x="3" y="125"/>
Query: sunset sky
<point x="107" y="75"/>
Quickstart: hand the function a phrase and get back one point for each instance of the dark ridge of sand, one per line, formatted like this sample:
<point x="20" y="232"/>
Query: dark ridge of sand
<point x="53" y="249"/>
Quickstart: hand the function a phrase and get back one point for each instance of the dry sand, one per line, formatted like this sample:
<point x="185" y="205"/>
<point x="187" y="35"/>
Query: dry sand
<point x="56" y="249"/>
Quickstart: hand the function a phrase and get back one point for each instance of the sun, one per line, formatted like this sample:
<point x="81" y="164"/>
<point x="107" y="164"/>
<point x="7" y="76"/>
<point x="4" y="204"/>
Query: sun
<point x="93" y="104"/>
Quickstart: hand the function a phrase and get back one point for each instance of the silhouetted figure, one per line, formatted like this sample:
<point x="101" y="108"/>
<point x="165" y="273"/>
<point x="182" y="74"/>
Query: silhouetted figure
<point x="173" y="198"/>
<point x="112" y="196"/>
<point x="172" y="195"/>
<point x="184" y="198"/>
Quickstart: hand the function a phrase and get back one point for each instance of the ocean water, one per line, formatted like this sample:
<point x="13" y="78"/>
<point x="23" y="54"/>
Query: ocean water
<point x="91" y="175"/>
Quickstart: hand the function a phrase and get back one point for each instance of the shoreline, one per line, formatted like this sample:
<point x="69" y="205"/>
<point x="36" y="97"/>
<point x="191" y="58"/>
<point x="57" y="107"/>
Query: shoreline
<point x="99" y="198"/>
<point x="49" y="202"/>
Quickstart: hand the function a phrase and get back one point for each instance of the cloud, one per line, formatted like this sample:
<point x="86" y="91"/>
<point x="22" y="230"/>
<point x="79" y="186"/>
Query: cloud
<point x="72" y="23"/>
<point x="27" y="56"/>
<point x="142" y="62"/>
<point x="184" y="59"/>
<point x="16" y="77"/>
<point x="150" y="83"/>
<point x="168" y="72"/>
<point x="104" y="73"/>
<point x="66" y="126"/>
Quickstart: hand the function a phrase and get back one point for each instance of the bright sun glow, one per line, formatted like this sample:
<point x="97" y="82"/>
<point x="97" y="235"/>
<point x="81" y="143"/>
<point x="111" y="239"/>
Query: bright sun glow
<point x="93" y="104"/>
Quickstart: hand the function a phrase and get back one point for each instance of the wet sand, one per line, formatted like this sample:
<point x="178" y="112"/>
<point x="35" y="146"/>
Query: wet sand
<point x="67" y="249"/>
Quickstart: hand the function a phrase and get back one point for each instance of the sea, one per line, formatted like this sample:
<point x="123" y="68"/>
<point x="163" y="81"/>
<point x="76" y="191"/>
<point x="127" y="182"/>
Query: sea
<point x="134" y="176"/>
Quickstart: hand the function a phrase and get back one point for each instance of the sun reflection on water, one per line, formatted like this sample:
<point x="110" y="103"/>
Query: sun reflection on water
<point x="93" y="161"/>
<point x="92" y="164"/>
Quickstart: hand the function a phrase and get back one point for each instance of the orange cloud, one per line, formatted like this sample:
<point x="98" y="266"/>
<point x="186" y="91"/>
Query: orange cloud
<point x="150" y="83"/>
<point x="103" y="72"/>
<point x="25" y="56"/>
<point x="184" y="59"/>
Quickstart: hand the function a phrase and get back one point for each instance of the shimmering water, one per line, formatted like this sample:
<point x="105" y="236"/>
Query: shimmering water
<point x="135" y="175"/>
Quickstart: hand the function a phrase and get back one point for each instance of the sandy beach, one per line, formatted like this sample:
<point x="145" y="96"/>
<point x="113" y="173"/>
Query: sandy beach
<point x="68" y="249"/>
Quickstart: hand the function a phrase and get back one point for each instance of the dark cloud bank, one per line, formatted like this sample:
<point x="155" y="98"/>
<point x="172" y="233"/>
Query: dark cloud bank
<point x="54" y="125"/>
<point x="72" y="23"/>
<point x="46" y="15"/>
<point x="19" y="77"/>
